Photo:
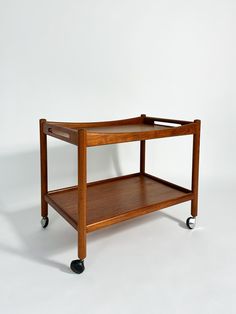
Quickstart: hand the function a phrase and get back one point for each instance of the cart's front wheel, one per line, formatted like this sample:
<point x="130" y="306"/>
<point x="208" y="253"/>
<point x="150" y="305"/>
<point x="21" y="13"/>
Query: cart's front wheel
<point x="44" y="222"/>
<point x="77" y="266"/>
<point x="191" y="222"/>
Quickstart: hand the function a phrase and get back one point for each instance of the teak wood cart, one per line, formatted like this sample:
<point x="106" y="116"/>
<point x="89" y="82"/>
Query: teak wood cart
<point x="91" y="206"/>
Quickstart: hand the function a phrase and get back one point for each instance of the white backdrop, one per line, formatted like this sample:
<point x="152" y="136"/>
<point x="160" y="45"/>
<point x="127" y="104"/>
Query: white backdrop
<point x="89" y="60"/>
<point x="102" y="60"/>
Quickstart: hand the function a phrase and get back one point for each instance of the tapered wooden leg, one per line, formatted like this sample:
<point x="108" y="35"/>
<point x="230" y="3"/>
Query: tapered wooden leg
<point x="195" y="168"/>
<point x="44" y="170"/>
<point x="82" y="192"/>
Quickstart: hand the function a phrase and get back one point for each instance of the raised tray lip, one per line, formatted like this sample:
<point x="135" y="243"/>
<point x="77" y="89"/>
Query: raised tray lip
<point x="68" y="131"/>
<point x="143" y="119"/>
<point x="84" y="125"/>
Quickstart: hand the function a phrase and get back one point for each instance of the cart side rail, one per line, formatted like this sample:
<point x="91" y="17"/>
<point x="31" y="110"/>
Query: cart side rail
<point x="100" y="138"/>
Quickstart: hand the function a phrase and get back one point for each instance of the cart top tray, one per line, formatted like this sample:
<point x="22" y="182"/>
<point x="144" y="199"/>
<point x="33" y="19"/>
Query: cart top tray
<point x="111" y="132"/>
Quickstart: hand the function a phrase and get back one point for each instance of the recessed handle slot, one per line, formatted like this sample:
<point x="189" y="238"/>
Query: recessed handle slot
<point x="167" y="124"/>
<point x="58" y="132"/>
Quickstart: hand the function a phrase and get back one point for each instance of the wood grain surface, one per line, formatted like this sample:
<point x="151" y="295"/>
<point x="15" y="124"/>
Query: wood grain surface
<point x="114" y="200"/>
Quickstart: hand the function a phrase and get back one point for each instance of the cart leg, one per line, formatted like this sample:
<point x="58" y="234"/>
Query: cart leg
<point x="44" y="174"/>
<point x="142" y="152"/>
<point x="191" y="221"/>
<point x="78" y="265"/>
<point x="142" y="156"/>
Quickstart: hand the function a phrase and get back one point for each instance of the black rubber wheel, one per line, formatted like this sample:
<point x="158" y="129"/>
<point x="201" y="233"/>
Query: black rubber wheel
<point x="191" y="222"/>
<point x="77" y="266"/>
<point x="44" y="222"/>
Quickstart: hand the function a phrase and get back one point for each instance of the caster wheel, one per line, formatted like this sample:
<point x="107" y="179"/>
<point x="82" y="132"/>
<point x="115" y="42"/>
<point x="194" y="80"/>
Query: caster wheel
<point x="77" y="266"/>
<point x="191" y="222"/>
<point x="44" y="222"/>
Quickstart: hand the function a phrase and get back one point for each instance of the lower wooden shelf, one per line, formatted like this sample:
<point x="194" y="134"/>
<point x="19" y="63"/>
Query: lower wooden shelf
<point x="114" y="200"/>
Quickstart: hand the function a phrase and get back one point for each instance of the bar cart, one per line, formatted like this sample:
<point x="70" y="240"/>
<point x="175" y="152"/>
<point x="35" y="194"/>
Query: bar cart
<point x="91" y="206"/>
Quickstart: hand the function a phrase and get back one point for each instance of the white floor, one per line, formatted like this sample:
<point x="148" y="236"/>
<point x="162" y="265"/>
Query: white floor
<point x="152" y="264"/>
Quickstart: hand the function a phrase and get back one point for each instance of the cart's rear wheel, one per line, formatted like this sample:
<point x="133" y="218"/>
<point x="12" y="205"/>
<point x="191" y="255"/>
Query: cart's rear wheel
<point x="77" y="266"/>
<point x="44" y="222"/>
<point x="191" y="222"/>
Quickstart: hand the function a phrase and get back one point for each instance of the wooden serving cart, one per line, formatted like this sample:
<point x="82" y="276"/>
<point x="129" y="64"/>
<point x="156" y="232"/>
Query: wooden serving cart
<point x="91" y="206"/>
